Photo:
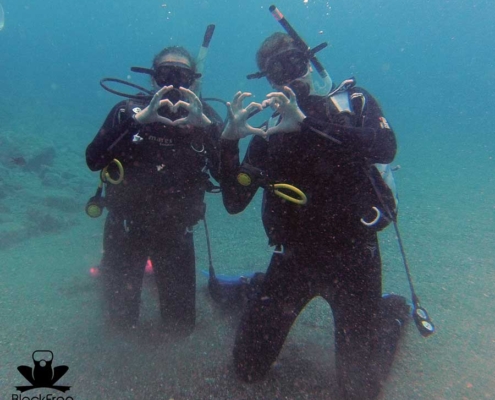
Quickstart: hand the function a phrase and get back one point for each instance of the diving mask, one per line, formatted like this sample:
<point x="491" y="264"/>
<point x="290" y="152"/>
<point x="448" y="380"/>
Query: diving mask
<point x="286" y="66"/>
<point x="175" y="74"/>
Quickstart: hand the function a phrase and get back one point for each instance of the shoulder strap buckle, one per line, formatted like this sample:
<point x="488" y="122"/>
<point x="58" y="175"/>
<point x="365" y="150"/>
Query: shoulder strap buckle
<point x="343" y="87"/>
<point x="340" y="96"/>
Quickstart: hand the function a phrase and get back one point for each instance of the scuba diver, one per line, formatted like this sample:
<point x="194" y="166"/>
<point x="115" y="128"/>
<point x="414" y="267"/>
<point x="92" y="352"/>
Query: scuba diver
<point x="155" y="157"/>
<point x="315" y="159"/>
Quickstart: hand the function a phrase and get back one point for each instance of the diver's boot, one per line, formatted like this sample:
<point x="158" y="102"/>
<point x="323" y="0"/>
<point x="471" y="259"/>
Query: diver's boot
<point x="395" y="312"/>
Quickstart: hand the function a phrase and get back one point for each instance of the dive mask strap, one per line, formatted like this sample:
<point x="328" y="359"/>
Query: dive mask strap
<point x="256" y="75"/>
<point x="143" y="70"/>
<point x="309" y="54"/>
<point x="152" y="72"/>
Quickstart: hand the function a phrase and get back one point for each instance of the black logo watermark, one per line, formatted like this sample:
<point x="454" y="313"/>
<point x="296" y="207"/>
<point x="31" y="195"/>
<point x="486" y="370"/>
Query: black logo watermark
<point x="42" y="375"/>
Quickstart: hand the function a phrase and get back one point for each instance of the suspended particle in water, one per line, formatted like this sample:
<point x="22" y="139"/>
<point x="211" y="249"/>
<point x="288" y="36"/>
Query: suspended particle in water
<point x="2" y="18"/>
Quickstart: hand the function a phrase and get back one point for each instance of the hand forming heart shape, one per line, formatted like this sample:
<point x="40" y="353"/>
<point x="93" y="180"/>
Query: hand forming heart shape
<point x="194" y="107"/>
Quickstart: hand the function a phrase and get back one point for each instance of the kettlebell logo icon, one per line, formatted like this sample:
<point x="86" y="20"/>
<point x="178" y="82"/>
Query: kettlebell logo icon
<point x="43" y="374"/>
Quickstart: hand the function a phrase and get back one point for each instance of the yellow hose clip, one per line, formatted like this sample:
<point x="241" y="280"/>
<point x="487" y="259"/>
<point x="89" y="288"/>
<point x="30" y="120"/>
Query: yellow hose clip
<point x="105" y="176"/>
<point x="302" y="197"/>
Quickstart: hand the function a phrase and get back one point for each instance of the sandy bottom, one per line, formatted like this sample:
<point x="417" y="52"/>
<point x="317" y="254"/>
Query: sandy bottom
<point x="49" y="301"/>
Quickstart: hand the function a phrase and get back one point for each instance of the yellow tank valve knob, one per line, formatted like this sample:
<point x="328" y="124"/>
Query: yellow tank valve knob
<point x="244" y="179"/>
<point x="94" y="210"/>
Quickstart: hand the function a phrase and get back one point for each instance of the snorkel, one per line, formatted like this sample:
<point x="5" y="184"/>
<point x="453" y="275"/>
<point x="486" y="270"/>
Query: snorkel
<point x="200" y="59"/>
<point x="322" y="72"/>
<point x="299" y="43"/>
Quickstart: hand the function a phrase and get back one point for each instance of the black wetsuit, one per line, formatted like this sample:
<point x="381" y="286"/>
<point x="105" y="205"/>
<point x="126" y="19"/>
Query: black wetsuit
<point x="328" y="252"/>
<point x="151" y="213"/>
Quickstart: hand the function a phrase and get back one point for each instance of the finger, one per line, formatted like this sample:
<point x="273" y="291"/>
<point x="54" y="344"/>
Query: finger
<point x="164" y="90"/>
<point x="274" y="94"/>
<point x="273" y="103"/>
<point x="230" y="112"/>
<point x="180" y="121"/>
<point x="183" y="104"/>
<point x="190" y="94"/>
<point x="256" y="131"/>
<point x="254" y="107"/>
<point x="279" y="96"/>
<point x="243" y="96"/>
<point x="236" y="97"/>
<point x="166" y="102"/>
<point x="271" y="131"/>
<point x="238" y="101"/>
<point x="268" y="103"/>
<point x="290" y="92"/>
<point x="206" y="120"/>
<point x="155" y="101"/>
